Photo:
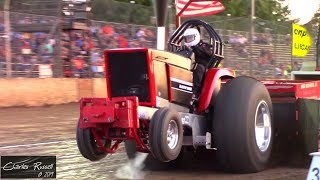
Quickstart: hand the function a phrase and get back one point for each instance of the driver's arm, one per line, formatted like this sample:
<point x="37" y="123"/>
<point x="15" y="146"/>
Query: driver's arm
<point x="202" y="52"/>
<point x="205" y="48"/>
<point x="185" y="51"/>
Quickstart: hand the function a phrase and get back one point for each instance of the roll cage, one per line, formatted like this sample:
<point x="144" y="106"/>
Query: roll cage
<point x="174" y="42"/>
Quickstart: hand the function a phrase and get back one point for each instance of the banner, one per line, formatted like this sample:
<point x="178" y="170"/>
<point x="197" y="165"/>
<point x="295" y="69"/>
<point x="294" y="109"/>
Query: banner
<point x="301" y="41"/>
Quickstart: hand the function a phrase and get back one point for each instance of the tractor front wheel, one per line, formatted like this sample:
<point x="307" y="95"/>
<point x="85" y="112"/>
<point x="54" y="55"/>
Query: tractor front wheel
<point x="87" y="144"/>
<point x="165" y="134"/>
<point x="165" y="141"/>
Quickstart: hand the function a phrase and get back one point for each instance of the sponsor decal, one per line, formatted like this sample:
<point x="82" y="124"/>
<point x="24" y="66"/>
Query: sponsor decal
<point x="181" y="85"/>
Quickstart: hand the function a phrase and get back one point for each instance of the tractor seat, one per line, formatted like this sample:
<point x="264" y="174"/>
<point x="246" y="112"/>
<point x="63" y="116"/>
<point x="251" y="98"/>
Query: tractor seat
<point x="171" y="58"/>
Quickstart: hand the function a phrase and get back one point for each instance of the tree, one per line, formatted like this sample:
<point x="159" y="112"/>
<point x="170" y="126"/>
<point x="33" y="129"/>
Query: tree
<point x="2" y="4"/>
<point x="109" y="10"/>
<point x="142" y="2"/>
<point x="269" y="15"/>
<point x="264" y="9"/>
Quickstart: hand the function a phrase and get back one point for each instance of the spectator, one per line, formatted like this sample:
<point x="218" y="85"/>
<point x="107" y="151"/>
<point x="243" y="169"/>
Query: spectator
<point x="296" y="66"/>
<point x="123" y="43"/>
<point x="79" y="66"/>
<point x="33" y="62"/>
<point x="96" y="63"/>
<point x="22" y="65"/>
<point x="141" y="34"/>
<point x="270" y="58"/>
<point x="278" y="72"/>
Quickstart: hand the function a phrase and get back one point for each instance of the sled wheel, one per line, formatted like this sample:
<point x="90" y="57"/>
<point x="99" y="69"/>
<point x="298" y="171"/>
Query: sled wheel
<point x="87" y="144"/>
<point x="165" y="134"/>
<point x="150" y="163"/>
<point x="242" y="125"/>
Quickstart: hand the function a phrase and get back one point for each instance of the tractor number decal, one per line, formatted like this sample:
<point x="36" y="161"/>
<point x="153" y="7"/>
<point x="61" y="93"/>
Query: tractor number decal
<point x="181" y="85"/>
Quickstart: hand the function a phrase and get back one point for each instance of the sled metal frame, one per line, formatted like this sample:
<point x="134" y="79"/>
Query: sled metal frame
<point x="293" y="120"/>
<point x="294" y="89"/>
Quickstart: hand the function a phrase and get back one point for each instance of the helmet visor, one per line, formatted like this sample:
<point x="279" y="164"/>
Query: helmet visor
<point x="189" y="38"/>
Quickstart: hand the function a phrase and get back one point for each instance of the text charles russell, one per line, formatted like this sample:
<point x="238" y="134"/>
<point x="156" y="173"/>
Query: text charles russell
<point x="37" y="166"/>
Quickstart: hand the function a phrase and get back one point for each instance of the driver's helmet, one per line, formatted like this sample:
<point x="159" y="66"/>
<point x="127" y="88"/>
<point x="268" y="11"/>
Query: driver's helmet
<point x="191" y="37"/>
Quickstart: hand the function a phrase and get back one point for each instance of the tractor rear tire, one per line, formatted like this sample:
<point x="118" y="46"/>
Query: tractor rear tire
<point x="242" y="126"/>
<point x="165" y="134"/>
<point x="87" y="145"/>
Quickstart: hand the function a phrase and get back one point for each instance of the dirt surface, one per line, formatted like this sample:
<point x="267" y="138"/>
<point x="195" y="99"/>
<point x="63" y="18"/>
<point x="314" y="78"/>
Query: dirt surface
<point x="51" y="131"/>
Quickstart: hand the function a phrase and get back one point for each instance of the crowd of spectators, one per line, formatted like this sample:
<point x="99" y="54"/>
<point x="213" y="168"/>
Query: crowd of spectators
<point x="265" y="39"/>
<point x="82" y="52"/>
<point x="87" y="47"/>
<point x="285" y="69"/>
<point x="31" y="49"/>
<point x="123" y="35"/>
<point x="239" y="43"/>
<point x="264" y="62"/>
<point x="30" y="19"/>
<point x="265" y="57"/>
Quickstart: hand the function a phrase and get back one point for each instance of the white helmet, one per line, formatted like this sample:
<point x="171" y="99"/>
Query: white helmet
<point x="191" y="37"/>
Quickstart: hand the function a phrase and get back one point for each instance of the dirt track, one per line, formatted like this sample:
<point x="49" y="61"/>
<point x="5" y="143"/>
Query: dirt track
<point x="50" y="130"/>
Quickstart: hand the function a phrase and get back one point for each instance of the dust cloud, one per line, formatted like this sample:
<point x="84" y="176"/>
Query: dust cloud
<point x="133" y="168"/>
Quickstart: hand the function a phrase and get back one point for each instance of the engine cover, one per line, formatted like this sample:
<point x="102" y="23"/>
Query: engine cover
<point x="156" y="77"/>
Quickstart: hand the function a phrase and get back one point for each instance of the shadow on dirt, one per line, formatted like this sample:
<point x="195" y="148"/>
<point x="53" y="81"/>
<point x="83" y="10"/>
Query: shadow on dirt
<point x="206" y="161"/>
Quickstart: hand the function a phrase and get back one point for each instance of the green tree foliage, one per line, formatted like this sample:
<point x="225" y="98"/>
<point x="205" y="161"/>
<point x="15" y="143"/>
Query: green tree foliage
<point x="142" y="2"/>
<point x="264" y="9"/>
<point x="109" y="10"/>
<point x="269" y="16"/>
<point x="2" y="4"/>
<point x="241" y="8"/>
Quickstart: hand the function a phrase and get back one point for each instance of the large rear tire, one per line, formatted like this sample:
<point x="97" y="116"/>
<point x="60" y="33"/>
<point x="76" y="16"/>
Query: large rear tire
<point x="88" y="146"/>
<point x="242" y="125"/>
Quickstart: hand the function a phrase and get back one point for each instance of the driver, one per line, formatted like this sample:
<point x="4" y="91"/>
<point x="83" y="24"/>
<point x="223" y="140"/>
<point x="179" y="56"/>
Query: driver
<point x="202" y="53"/>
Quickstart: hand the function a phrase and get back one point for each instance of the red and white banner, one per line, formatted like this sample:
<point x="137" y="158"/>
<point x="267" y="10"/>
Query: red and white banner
<point x="203" y="8"/>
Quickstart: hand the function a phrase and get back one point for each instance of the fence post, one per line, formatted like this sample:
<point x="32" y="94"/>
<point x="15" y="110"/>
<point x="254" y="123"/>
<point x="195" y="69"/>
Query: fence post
<point x="8" y="38"/>
<point x="252" y="17"/>
<point x="317" y="50"/>
<point x="58" y="67"/>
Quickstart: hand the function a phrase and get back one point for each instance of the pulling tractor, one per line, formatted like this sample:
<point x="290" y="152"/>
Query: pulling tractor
<point x="150" y="107"/>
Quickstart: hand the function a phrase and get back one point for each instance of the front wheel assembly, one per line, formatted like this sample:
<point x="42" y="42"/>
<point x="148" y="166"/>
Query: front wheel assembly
<point x="165" y="134"/>
<point x="88" y="146"/>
